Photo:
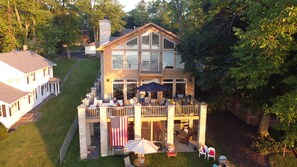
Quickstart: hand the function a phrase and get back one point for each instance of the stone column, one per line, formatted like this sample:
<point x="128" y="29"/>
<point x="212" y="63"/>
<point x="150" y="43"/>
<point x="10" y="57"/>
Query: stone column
<point x="170" y="124"/>
<point x="81" y="111"/>
<point x="56" y="89"/>
<point x="202" y="124"/>
<point x="92" y="128"/>
<point x="88" y="134"/>
<point x="103" y="131"/>
<point x="137" y="121"/>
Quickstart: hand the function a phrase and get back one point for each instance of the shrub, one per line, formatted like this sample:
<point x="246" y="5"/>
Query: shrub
<point x="266" y="145"/>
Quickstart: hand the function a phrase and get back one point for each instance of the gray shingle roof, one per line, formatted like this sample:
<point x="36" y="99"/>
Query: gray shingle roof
<point x="25" y="61"/>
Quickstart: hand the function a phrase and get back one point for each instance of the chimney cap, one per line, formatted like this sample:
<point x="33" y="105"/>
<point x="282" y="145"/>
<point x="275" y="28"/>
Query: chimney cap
<point x="25" y="47"/>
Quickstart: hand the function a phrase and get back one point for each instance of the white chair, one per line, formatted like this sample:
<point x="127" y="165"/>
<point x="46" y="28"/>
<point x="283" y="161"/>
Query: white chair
<point x="211" y="153"/>
<point x="100" y="102"/>
<point x="203" y="151"/>
<point x="120" y="102"/>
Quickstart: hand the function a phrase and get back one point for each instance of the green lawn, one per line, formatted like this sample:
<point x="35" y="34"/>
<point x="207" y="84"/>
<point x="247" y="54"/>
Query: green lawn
<point x="277" y="160"/>
<point x="38" y="144"/>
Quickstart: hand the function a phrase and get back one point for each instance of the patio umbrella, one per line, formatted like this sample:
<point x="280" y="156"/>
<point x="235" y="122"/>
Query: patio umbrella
<point x="142" y="146"/>
<point x="152" y="87"/>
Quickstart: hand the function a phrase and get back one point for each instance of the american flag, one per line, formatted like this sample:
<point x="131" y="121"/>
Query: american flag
<point x="119" y="131"/>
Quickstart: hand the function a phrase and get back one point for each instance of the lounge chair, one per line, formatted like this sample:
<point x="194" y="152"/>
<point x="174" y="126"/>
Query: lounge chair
<point x="171" y="152"/>
<point x="211" y="153"/>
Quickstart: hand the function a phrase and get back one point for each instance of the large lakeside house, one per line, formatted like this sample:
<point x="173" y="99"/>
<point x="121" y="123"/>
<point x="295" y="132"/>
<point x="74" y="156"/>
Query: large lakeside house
<point x="144" y="55"/>
<point x="26" y="79"/>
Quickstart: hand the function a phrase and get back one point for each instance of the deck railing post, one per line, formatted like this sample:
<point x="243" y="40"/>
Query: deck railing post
<point x="137" y="121"/>
<point x="82" y="131"/>
<point x="170" y="124"/>
<point x="202" y="124"/>
<point x="103" y="131"/>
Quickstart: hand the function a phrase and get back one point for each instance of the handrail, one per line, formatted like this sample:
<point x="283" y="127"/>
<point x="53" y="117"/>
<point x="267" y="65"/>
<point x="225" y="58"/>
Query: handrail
<point x="120" y="111"/>
<point x="153" y="111"/>
<point x="186" y="110"/>
<point x="92" y="113"/>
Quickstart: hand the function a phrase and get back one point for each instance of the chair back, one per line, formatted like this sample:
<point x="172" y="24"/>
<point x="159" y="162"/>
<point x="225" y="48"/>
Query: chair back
<point x="211" y="151"/>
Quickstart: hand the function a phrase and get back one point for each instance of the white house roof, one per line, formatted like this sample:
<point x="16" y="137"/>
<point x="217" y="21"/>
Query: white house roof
<point x="10" y="94"/>
<point x="25" y="61"/>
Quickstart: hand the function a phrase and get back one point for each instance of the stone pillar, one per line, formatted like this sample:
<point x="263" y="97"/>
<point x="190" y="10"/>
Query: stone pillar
<point x="137" y="121"/>
<point x="170" y="124"/>
<point x="103" y="131"/>
<point x="81" y="111"/>
<point x="202" y="124"/>
<point x="92" y="128"/>
<point x="88" y="134"/>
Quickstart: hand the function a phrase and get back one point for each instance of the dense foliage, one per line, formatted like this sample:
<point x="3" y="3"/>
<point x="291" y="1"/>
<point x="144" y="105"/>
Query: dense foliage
<point x="46" y="26"/>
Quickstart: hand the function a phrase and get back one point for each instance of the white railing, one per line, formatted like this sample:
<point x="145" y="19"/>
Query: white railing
<point x="146" y="111"/>
<point x="153" y="111"/>
<point x="186" y="110"/>
<point x="92" y="113"/>
<point x="120" y="111"/>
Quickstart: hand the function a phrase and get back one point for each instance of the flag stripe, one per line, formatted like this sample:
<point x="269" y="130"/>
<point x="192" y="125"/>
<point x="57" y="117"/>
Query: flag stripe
<point x="119" y="130"/>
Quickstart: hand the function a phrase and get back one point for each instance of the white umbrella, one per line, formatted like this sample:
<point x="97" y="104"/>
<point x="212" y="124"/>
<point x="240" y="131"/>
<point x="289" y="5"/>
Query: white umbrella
<point x="142" y="146"/>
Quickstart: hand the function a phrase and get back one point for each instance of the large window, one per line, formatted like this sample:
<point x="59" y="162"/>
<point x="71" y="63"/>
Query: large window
<point x="132" y="44"/>
<point x="168" y="44"/>
<point x="150" y="61"/>
<point x="117" y="59"/>
<point x="150" y="41"/>
<point x="145" y="41"/>
<point x="178" y="62"/>
<point x="169" y="85"/>
<point x="132" y="59"/>
<point x="180" y="88"/>
<point x="155" y="41"/>
<point x="131" y="88"/>
<point x="168" y="59"/>
<point x="118" y="89"/>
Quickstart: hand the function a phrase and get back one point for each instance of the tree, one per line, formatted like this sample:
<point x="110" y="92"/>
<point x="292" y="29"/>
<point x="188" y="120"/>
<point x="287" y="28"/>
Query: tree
<point x="265" y="51"/>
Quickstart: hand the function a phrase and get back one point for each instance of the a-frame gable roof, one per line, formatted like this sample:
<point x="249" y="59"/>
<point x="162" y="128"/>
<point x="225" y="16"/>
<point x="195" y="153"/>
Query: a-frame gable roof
<point x="102" y="47"/>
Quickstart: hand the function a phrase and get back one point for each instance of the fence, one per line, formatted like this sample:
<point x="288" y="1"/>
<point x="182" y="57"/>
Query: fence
<point x="68" y="139"/>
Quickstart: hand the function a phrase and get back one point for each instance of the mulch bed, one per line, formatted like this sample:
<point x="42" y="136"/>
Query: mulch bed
<point x="235" y="137"/>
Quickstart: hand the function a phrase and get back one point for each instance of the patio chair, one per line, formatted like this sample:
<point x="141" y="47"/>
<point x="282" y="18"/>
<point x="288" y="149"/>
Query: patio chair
<point x="171" y="152"/>
<point x="203" y="151"/>
<point x="127" y="162"/>
<point x="211" y="153"/>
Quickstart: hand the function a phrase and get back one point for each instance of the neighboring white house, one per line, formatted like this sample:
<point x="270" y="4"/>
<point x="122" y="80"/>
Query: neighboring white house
<point x="26" y="79"/>
<point x="90" y="49"/>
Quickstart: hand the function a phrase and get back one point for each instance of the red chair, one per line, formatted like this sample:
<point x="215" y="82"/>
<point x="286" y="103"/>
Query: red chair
<point x="211" y="153"/>
<point x="171" y="152"/>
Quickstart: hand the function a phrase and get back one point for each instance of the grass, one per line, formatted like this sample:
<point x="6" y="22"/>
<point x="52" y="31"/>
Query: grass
<point x="63" y="67"/>
<point x="277" y="160"/>
<point x="38" y="144"/>
<point x="3" y="132"/>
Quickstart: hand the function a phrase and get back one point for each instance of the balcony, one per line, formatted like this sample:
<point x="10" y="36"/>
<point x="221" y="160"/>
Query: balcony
<point x="146" y="111"/>
<point x="150" y="68"/>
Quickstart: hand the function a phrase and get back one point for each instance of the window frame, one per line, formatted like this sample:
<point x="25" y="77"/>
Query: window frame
<point x="123" y="62"/>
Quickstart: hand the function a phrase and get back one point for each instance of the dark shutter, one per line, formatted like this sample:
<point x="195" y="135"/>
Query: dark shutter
<point x="4" y="110"/>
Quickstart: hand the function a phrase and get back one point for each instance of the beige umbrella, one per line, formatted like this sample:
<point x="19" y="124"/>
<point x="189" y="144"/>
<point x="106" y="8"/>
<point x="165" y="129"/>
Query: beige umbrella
<point x="142" y="146"/>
